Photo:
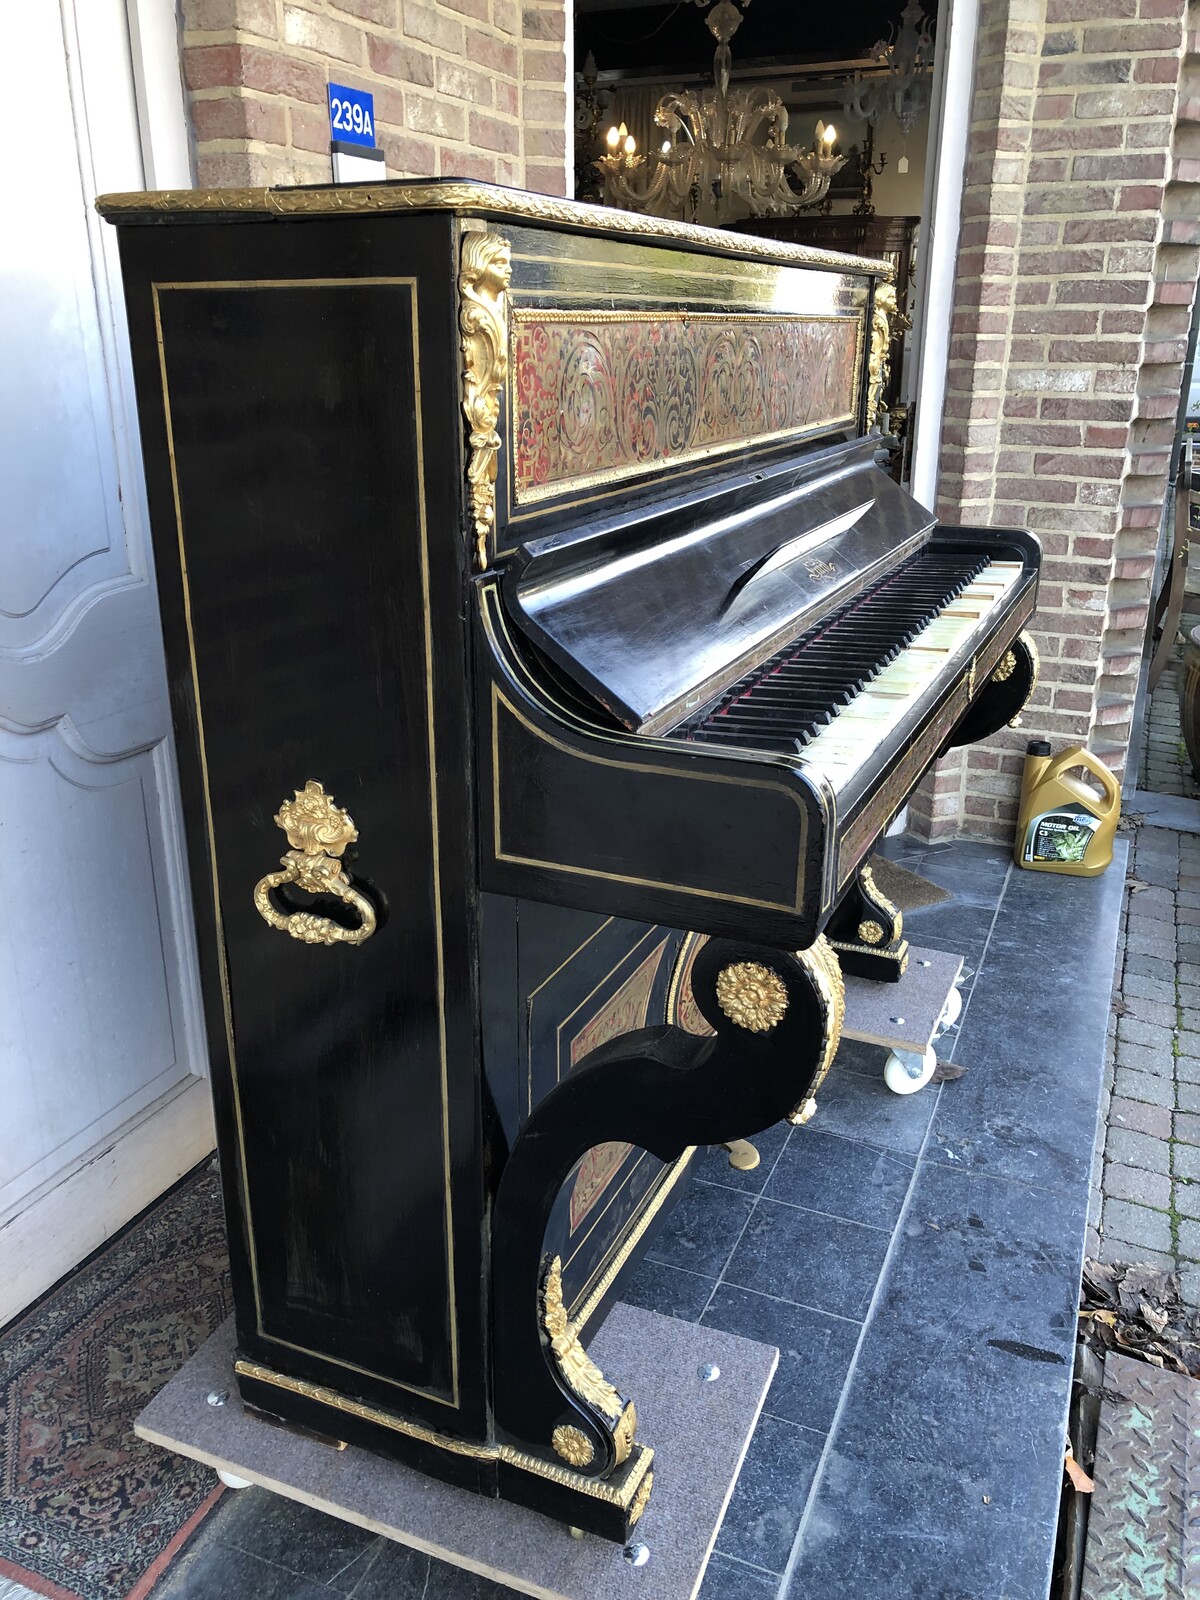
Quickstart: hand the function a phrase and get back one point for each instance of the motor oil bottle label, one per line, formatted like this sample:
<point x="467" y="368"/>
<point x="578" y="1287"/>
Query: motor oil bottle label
<point x="1060" y="836"/>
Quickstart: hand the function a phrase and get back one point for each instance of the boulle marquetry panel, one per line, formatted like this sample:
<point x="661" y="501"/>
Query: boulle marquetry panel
<point x="600" y="396"/>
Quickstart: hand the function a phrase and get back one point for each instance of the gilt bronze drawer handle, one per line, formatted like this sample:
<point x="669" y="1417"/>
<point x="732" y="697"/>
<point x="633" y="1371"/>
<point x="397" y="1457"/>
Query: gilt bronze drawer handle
<point x="318" y="832"/>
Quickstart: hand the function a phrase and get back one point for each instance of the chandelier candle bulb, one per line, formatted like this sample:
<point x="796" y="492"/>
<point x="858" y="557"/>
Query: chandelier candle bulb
<point x="726" y="154"/>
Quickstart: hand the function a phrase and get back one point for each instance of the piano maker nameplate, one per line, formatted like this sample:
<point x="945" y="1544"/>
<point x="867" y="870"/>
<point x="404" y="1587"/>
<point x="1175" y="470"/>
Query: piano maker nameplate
<point x="596" y="397"/>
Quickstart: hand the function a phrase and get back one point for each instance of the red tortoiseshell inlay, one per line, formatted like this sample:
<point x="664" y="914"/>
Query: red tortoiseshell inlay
<point x="625" y="1011"/>
<point x="602" y="396"/>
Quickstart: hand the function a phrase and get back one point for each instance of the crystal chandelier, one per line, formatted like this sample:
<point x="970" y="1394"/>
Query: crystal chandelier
<point x="903" y="87"/>
<point x="725" y="153"/>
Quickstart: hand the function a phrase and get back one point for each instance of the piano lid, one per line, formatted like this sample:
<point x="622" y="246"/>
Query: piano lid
<point x="653" y="623"/>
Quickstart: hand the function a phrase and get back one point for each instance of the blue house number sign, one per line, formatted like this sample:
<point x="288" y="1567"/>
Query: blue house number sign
<point x="352" y="115"/>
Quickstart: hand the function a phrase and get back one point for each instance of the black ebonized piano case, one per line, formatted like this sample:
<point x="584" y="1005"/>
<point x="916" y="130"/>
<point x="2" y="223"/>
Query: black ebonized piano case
<point x="484" y="527"/>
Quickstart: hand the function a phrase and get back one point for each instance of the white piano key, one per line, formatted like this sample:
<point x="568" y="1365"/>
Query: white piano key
<point x="844" y="746"/>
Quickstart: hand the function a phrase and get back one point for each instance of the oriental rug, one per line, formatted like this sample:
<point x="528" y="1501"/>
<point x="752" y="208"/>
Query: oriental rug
<point x="87" y="1510"/>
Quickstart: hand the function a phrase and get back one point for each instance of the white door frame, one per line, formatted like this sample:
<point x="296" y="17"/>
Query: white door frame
<point x="156" y="49"/>
<point x="74" y="1208"/>
<point x="945" y="164"/>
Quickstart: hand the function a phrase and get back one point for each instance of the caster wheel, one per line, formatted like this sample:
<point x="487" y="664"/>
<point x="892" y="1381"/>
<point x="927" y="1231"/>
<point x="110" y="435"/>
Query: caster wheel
<point x="952" y="1012"/>
<point x="232" y="1481"/>
<point x="906" y="1071"/>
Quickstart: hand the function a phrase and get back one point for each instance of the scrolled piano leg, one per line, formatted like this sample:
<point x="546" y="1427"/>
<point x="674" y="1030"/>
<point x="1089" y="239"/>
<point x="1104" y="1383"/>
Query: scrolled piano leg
<point x="867" y="931"/>
<point x="568" y="1433"/>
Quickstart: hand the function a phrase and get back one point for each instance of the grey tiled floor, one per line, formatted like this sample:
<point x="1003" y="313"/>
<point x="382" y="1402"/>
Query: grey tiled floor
<point x="915" y="1260"/>
<point x="1146" y="1206"/>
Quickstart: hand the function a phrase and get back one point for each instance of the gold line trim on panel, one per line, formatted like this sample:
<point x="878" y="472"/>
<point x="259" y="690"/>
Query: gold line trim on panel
<point x="668" y="1178"/>
<point x="499" y="699"/>
<point x="379" y="199"/>
<point x="538" y="313"/>
<point x="222" y="966"/>
<point x="578" y="948"/>
<point x="437" y="856"/>
<point x="609" y="1204"/>
<point x="157" y="289"/>
<point x="533" y="993"/>
<point x="631" y="954"/>
<point x="318" y="1392"/>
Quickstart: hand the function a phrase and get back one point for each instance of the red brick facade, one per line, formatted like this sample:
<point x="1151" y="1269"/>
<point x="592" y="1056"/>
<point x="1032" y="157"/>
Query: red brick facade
<point x="463" y="88"/>
<point x="1077" y="267"/>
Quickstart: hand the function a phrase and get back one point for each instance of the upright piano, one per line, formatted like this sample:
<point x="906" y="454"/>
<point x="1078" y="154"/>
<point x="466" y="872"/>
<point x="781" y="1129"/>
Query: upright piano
<point x="547" y="651"/>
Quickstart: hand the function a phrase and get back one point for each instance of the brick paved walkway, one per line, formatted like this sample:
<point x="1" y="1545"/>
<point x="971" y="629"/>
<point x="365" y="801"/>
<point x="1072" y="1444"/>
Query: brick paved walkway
<point x="1147" y="1207"/>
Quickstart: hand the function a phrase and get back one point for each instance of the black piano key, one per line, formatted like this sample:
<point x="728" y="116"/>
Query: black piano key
<point x="784" y="702"/>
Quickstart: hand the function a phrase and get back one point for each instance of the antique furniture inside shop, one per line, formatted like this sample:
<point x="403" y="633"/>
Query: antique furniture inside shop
<point x="790" y="144"/>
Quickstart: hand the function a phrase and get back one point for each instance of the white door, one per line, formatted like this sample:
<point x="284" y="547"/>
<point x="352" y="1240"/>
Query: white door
<point x="103" y="1100"/>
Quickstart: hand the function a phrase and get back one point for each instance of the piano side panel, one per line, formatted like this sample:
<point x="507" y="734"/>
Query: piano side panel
<point x="320" y="594"/>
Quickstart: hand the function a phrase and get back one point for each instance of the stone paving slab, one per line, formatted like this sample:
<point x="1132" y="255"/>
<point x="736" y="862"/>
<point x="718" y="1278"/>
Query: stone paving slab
<point x="1167" y="811"/>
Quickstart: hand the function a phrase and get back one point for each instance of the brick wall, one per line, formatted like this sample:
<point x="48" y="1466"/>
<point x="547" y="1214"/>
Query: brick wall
<point x="1076" y="271"/>
<point x="463" y="88"/>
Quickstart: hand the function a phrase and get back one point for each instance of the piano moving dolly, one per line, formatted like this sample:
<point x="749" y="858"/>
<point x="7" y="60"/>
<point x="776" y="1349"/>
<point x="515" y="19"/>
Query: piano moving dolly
<point x="701" y="1391"/>
<point x="906" y="1017"/>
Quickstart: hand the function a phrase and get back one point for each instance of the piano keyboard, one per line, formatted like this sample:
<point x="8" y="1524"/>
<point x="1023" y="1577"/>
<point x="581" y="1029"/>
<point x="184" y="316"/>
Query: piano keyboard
<point x="836" y="691"/>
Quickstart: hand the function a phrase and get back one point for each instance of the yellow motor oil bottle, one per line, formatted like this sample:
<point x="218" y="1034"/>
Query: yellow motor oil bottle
<point x="1063" y="824"/>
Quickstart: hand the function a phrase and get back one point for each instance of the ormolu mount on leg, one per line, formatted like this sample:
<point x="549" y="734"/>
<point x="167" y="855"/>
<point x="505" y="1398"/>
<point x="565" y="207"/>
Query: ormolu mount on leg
<point x="777" y="1019"/>
<point x="867" y="931"/>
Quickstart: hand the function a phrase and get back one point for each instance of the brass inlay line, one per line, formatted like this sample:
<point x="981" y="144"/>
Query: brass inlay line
<point x="533" y="993"/>
<point x="669" y="1175"/>
<point x="157" y="289"/>
<point x="372" y="199"/>
<point x="628" y="958"/>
